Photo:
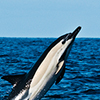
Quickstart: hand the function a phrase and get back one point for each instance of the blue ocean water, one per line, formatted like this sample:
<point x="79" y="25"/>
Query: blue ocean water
<point x="81" y="80"/>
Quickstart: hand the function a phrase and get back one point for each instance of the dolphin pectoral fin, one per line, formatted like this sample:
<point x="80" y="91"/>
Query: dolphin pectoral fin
<point x="60" y="76"/>
<point x="13" y="79"/>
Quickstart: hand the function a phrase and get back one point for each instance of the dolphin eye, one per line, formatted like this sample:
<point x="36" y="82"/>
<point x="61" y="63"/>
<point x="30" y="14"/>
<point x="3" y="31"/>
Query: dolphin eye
<point x="63" y="42"/>
<point x="66" y="38"/>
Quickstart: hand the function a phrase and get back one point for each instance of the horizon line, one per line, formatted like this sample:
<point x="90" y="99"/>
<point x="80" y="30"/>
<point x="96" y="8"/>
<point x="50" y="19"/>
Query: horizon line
<point x="40" y="37"/>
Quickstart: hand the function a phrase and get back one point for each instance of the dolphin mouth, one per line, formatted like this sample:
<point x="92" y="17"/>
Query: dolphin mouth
<point x="71" y="35"/>
<point x="76" y="31"/>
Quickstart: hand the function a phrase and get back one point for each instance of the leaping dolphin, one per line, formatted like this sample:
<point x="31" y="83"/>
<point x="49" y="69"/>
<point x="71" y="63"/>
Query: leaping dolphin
<point x="49" y="68"/>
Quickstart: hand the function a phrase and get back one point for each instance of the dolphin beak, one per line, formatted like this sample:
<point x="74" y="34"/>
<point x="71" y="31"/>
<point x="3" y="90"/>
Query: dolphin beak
<point x="72" y="35"/>
<point x="75" y="32"/>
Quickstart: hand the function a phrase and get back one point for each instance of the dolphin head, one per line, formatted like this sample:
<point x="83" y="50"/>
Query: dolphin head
<point x="64" y="43"/>
<point x="67" y="41"/>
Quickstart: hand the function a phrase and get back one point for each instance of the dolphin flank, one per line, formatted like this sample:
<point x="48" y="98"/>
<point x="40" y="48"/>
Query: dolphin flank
<point x="49" y="69"/>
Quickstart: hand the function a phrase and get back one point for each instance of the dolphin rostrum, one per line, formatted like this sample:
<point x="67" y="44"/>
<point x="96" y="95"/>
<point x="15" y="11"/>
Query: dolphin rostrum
<point x="49" y="68"/>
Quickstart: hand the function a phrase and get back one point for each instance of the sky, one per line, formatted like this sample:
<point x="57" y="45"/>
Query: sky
<point x="49" y="18"/>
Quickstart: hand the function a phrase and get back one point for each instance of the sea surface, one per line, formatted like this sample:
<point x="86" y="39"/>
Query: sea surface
<point x="81" y="80"/>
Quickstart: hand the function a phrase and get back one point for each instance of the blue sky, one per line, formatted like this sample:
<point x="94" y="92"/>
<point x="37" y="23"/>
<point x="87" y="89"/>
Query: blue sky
<point x="49" y="18"/>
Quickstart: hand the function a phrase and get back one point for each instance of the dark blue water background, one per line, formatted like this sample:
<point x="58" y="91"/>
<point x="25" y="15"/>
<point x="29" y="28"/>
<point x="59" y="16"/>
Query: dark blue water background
<point x="82" y="76"/>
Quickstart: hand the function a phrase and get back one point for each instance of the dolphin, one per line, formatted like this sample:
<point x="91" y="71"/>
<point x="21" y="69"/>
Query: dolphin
<point x="49" y="69"/>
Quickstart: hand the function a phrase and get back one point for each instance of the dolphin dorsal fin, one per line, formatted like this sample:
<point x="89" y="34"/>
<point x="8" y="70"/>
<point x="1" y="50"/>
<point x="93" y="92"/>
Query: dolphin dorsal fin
<point x="60" y="76"/>
<point x="13" y="79"/>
